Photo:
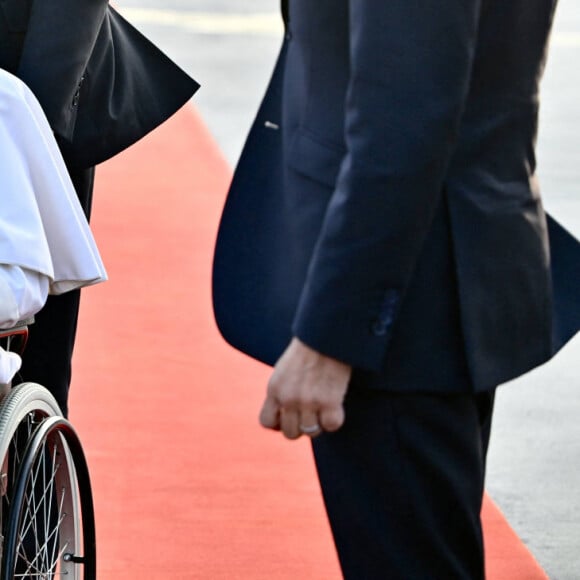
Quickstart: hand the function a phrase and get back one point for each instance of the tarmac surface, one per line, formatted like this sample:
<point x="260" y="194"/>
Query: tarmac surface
<point x="533" y="467"/>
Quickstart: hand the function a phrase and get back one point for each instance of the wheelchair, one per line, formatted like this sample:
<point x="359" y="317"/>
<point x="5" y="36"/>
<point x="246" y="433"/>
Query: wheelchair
<point x="47" y="527"/>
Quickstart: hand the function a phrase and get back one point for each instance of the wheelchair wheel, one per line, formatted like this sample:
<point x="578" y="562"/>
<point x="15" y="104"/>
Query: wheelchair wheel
<point x="47" y="511"/>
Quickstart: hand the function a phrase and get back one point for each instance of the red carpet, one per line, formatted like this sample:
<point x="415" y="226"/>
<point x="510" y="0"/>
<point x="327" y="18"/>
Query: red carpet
<point x="186" y="484"/>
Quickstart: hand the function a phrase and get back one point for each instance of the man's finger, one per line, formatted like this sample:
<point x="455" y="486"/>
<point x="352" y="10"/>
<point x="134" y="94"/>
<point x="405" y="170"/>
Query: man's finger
<point x="309" y="424"/>
<point x="332" y="418"/>
<point x="270" y="414"/>
<point x="290" y="423"/>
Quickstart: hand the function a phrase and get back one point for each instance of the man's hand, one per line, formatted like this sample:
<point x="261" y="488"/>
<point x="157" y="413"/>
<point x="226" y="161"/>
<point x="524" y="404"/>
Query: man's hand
<point x="305" y="393"/>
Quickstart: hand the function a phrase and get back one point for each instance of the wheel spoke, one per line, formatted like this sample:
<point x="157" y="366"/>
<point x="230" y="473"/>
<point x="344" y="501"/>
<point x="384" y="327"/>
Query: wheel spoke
<point x="45" y="540"/>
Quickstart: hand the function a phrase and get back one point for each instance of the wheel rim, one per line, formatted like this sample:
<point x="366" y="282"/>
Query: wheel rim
<point x="43" y="536"/>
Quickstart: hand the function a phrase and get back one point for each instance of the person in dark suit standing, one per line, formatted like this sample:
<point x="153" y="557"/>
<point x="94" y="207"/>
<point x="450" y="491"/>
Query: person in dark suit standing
<point x="384" y="245"/>
<point x="102" y="86"/>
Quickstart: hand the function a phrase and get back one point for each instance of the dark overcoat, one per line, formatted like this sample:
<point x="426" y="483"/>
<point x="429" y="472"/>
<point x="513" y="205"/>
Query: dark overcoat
<point x="101" y="83"/>
<point x="386" y="210"/>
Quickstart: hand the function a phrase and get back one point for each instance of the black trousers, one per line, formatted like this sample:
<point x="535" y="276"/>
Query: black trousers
<point x="48" y="355"/>
<point x="403" y="482"/>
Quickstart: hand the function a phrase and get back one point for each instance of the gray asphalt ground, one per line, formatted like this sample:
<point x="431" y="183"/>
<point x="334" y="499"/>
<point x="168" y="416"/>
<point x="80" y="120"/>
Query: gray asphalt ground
<point x="534" y="474"/>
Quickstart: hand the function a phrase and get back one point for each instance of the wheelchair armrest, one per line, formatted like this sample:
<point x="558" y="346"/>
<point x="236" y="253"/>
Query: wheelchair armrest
<point x="14" y="338"/>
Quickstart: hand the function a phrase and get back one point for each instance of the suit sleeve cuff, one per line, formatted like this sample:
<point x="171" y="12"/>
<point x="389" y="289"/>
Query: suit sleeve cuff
<point x="358" y="337"/>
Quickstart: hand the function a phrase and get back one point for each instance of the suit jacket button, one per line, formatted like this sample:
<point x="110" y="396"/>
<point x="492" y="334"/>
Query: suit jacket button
<point x="76" y="96"/>
<point x="380" y="328"/>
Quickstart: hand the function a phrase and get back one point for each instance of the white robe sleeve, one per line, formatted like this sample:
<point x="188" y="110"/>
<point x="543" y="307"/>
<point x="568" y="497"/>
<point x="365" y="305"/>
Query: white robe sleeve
<point x="22" y="294"/>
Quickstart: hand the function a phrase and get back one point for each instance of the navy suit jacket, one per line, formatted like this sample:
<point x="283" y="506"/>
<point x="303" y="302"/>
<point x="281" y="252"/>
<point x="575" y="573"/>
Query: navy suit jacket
<point x="385" y="209"/>
<point x="101" y="84"/>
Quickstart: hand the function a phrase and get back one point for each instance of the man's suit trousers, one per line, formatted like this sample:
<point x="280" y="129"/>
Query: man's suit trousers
<point x="403" y="484"/>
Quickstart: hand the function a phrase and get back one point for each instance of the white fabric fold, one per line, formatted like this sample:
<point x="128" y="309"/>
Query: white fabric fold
<point x="22" y="294"/>
<point x="10" y="363"/>
<point x="46" y="245"/>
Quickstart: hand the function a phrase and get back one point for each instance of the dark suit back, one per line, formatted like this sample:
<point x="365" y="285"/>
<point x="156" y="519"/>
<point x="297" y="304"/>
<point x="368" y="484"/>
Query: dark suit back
<point x="101" y="83"/>
<point x="394" y="221"/>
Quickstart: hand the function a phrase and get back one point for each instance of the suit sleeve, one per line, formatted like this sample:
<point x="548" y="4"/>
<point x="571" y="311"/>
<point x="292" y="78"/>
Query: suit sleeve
<point x="59" y="41"/>
<point x="410" y="66"/>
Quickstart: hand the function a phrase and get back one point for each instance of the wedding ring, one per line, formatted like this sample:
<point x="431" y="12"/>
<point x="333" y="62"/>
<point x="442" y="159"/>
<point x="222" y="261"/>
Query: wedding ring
<point x="310" y="429"/>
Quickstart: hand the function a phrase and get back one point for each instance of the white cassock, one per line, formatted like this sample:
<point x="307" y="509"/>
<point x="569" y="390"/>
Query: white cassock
<point x="46" y="246"/>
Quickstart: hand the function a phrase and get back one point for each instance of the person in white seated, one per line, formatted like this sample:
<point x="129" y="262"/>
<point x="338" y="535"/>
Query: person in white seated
<point x="46" y="246"/>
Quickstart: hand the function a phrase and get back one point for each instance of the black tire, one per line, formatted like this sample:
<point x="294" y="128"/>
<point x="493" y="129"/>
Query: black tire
<point x="47" y="508"/>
